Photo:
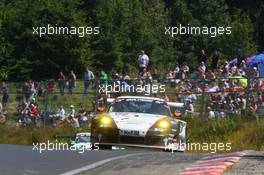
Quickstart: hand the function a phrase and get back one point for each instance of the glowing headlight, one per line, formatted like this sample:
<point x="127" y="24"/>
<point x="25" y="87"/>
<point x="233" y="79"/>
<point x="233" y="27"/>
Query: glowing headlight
<point x="106" y="120"/>
<point x="163" y="124"/>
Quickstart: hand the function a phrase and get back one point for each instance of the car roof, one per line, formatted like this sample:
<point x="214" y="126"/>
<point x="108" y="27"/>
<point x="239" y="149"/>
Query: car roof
<point x="140" y="97"/>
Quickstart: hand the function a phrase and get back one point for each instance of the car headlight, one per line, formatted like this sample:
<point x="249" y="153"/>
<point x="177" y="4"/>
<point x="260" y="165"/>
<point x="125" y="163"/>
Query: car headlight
<point x="164" y="124"/>
<point x="106" y="120"/>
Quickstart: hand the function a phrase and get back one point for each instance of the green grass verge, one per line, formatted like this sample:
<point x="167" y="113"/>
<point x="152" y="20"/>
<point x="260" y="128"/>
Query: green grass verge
<point x="241" y="133"/>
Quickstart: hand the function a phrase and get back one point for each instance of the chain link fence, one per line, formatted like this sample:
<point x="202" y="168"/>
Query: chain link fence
<point x="217" y="98"/>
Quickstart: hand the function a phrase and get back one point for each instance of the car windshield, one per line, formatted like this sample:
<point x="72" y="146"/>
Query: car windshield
<point x="83" y="139"/>
<point x="140" y="106"/>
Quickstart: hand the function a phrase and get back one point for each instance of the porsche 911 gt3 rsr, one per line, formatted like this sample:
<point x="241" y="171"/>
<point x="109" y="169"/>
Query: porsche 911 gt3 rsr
<point x="140" y="122"/>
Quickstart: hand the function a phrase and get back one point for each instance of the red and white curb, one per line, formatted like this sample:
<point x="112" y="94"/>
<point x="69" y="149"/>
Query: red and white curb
<point x="213" y="165"/>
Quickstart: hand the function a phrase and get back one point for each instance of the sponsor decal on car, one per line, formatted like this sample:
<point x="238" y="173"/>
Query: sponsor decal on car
<point x="129" y="133"/>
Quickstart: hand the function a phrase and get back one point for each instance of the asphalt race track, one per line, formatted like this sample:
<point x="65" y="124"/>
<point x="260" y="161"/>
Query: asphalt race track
<point x="23" y="160"/>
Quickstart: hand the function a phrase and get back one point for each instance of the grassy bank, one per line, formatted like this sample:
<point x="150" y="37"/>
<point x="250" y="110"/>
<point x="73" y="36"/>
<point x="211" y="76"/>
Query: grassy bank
<point x="28" y="136"/>
<point x="241" y="133"/>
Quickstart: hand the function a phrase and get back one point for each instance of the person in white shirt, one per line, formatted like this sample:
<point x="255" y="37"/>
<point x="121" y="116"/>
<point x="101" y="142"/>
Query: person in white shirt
<point x="143" y="61"/>
<point x="189" y="107"/>
<point x="61" y="112"/>
<point x="202" y="67"/>
<point x="211" y="114"/>
<point x="215" y="88"/>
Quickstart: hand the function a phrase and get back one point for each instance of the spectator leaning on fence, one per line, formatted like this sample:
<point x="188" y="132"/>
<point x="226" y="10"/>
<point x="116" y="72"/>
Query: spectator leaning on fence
<point x="88" y="76"/>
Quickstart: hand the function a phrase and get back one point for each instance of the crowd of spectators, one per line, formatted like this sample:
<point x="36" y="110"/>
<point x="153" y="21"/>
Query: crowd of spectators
<point x="225" y="90"/>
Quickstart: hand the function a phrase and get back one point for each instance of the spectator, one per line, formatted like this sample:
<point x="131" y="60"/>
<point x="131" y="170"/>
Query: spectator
<point x="255" y="72"/>
<point x="215" y="59"/>
<point x="74" y="122"/>
<point x="72" y="81"/>
<point x="169" y="75"/>
<point x="176" y="71"/>
<point x="202" y="68"/>
<point x="240" y="57"/>
<point x="184" y="70"/>
<point x="88" y="76"/>
<point x="103" y="77"/>
<point x="99" y="104"/>
<point x="145" y="75"/>
<point x="143" y="61"/>
<point x="33" y="91"/>
<point x="61" y="113"/>
<point x="26" y="90"/>
<point x="33" y="101"/>
<point x="34" y="113"/>
<point x="114" y="75"/>
<point x="70" y="115"/>
<point x="82" y="115"/>
<point x="72" y="111"/>
<point x="5" y="96"/>
<point x="25" y="119"/>
<point x="189" y="107"/>
<point x="211" y="114"/>
<point x="51" y="86"/>
<point x="61" y="83"/>
<point x="202" y="57"/>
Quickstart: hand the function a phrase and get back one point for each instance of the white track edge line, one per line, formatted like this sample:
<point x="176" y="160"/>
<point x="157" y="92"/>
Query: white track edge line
<point x="96" y="164"/>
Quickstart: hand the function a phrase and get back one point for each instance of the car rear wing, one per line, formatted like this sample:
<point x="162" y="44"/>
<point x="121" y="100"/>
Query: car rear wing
<point x="176" y="104"/>
<point x="110" y="100"/>
<point x="171" y="104"/>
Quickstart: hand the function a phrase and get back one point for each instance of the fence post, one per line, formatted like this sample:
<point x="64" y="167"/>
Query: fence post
<point x="247" y="95"/>
<point x="46" y="98"/>
<point x="96" y="95"/>
<point x="202" y="103"/>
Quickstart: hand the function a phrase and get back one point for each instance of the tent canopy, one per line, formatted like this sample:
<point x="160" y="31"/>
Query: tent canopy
<point x="253" y="61"/>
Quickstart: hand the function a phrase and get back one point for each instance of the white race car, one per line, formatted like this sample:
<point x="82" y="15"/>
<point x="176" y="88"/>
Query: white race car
<point x="139" y="122"/>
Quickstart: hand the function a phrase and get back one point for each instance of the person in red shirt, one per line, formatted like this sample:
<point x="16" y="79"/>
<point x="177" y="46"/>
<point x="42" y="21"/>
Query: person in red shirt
<point x="33" y="113"/>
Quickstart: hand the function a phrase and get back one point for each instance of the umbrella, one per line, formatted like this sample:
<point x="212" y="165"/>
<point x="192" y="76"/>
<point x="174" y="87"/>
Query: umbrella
<point x="231" y="63"/>
<point x="255" y="60"/>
